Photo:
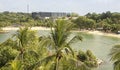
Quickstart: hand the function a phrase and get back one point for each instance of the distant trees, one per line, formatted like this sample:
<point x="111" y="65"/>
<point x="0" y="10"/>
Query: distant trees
<point x="16" y="19"/>
<point x="85" y="23"/>
<point x="93" y="16"/>
<point x="74" y="15"/>
<point x="108" y="21"/>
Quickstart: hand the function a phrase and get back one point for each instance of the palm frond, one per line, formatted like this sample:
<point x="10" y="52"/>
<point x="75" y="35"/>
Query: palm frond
<point x="10" y="42"/>
<point x="117" y="65"/>
<point x="16" y="65"/>
<point x="115" y="53"/>
<point x="74" y="39"/>
<point x="42" y="61"/>
<point x="70" y="50"/>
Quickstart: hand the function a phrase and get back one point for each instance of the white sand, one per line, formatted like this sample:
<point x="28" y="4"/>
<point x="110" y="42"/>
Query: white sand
<point x="17" y="28"/>
<point x="45" y="28"/>
<point x="104" y="34"/>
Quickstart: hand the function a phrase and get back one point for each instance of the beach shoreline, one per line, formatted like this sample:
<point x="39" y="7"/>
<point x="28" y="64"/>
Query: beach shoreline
<point x="17" y="28"/>
<point x="102" y="33"/>
<point x="47" y="28"/>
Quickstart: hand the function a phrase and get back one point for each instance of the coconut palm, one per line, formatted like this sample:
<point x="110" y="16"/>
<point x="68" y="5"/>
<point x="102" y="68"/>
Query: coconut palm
<point x="28" y="44"/>
<point x="24" y="38"/>
<point x="115" y="56"/>
<point x="59" y="45"/>
<point x="16" y="65"/>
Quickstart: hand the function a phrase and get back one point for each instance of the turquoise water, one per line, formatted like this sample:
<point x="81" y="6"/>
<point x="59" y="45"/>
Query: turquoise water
<point x="5" y="36"/>
<point x="100" y="46"/>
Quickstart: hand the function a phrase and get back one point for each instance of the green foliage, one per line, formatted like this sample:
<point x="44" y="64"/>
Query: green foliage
<point x="90" y="55"/>
<point x="19" y="19"/>
<point x="84" y="23"/>
<point x="29" y="47"/>
<point x="110" y="22"/>
<point x="46" y="53"/>
<point x="74" y="15"/>
<point x="16" y="65"/>
<point x="115" y="56"/>
<point x="117" y="65"/>
<point x="82" y="56"/>
<point x="72" y="64"/>
<point x="115" y="52"/>
<point x="87" y="58"/>
<point x="59" y="45"/>
<point x="6" y="55"/>
<point x="22" y="50"/>
<point x="107" y="21"/>
<point x="25" y="37"/>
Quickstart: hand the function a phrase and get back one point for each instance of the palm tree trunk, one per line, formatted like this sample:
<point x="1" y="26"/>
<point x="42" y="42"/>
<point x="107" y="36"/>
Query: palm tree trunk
<point x="57" y="64"/>
<point x="21" y="53"/>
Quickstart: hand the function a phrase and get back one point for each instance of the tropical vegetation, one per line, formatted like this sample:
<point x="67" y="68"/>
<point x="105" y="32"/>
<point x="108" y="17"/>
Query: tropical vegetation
<point x="20" y="19"/>
<point x="115" y="56"/>
<point x="106" y="21"/>
<point x="25" y="50"/>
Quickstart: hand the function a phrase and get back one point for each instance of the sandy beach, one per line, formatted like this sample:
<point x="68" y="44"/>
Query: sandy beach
<point x="45" y="28"/>
<point x="17" y="28"/>
<point x="102" y="33"/>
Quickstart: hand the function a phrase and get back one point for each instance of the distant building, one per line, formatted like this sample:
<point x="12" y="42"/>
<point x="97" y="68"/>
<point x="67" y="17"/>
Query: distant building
<point x="49" y="14"/>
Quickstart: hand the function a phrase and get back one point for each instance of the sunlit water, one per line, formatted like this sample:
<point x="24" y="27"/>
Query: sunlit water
<point x="99" y="45"/>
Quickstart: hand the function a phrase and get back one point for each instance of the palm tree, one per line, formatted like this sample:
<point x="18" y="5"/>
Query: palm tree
<point x="115" y="56"/>
<point x="59" y="43"/>
<point x="26" y="43"/>
<point x="23" y="36"/>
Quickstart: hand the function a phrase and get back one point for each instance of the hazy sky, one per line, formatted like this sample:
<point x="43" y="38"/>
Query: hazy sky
<point x="79" y="6"/>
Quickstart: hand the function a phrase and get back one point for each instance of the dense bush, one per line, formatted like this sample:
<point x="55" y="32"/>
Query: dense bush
<point x="88" y="58"/>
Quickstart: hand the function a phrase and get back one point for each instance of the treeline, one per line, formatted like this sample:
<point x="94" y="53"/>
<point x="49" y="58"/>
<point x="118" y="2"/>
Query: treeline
<point x="19" y="19"/>
<point x="108" y="22"/>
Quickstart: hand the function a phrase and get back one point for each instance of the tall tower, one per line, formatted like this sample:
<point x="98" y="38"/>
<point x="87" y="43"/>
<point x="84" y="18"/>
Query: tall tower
<point x="28" y="8"/>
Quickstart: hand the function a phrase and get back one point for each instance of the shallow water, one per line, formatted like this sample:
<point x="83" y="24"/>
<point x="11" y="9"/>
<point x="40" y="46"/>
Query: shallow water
<point x="99" y="45"/>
